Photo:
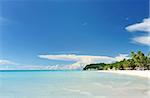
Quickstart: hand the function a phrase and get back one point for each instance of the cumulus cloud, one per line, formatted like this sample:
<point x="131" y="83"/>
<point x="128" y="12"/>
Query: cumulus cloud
<point x="82" y="60"/>
<point x="6" y="62"/>
<point x="143" y="26"/>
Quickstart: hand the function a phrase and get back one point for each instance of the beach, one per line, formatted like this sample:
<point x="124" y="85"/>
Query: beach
<point x="71" y="84"/>
<point x="144" y="74"/>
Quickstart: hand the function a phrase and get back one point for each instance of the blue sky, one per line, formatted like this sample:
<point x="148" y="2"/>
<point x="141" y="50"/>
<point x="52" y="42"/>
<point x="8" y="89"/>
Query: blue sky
<point x="87" y="27"/>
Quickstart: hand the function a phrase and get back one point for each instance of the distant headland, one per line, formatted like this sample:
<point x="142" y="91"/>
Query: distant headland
<point x="138" y="61"/>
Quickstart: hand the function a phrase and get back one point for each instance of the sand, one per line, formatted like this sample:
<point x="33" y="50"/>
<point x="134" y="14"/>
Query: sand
<point x="144" y="74"/>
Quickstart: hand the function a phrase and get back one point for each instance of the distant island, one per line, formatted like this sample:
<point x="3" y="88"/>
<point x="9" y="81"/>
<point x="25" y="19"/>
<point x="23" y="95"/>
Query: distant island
<point x="137" y="61"/>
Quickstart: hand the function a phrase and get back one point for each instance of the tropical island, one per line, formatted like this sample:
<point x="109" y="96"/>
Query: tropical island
<point x="137" y="61"/>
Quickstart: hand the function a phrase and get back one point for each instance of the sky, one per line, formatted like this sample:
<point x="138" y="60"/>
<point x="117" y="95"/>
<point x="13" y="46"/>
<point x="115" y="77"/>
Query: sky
<point x="64" y="34"/>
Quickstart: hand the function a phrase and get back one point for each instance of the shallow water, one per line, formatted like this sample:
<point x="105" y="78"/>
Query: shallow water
<point x="71" y="84"/>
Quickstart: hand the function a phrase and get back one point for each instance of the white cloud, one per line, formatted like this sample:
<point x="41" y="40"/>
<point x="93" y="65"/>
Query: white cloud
<point x="145" y="40"/>
<point x="121" y="57"/>
<point x="78" y="58"/>
<point x="6" y="62"/>
<point x="143" y="26"/>
<point x="74" y="66"/>
<point x="81" y="60"/>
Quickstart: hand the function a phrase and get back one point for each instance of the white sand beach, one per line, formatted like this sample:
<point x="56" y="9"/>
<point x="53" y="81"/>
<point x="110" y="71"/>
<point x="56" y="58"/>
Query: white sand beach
<point x="145" y="74"/>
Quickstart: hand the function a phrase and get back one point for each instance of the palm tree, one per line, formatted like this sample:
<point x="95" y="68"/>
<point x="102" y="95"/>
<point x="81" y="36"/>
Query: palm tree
<point x="140" y="59"/>
<point x="148" y="61"/>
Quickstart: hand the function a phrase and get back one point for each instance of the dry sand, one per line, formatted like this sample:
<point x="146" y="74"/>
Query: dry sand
<point x="145" y="74"/>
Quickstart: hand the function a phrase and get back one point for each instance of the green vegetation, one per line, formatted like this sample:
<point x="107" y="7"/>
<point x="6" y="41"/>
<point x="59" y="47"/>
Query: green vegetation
<point x="99" y="66"/>
<point x="137" y="61"/>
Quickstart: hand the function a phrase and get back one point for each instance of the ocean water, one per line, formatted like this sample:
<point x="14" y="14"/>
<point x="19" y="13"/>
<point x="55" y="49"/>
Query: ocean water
<point x="71" y="84"/>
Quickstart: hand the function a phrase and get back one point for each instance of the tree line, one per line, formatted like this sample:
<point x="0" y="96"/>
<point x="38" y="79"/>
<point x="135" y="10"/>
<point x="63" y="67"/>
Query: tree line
<point x="137" y="61"/>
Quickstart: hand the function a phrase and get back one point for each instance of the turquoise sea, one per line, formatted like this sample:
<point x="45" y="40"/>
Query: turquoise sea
<point x="71" y="84"/>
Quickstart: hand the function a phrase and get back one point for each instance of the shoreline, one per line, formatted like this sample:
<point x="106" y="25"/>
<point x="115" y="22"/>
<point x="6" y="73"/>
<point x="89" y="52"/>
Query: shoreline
<point x="144" y="74"/>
